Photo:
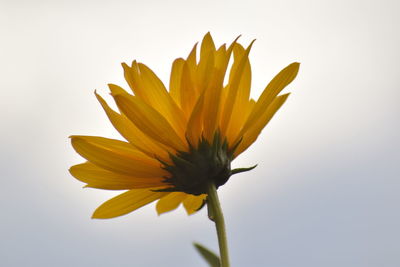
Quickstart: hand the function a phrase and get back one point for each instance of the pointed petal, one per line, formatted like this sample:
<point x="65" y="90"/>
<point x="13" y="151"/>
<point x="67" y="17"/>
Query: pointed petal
<point x="245" y="81"/>
<point x="131" y="76"/>
<point x="258" y="125"/>
<point x="131" y="133"/>
<point x="126" y="203"/>
<point x="116" y="156"/>
<point x="278" y="83"/>
<point x="149" y="121"/>
<point x="243" y="94"/>
<point x="207" y="45"/>
<point x="115" y="89"/>
<point x="205" y="71"/>
<point x="233" y="89"/>
<point x="192" y="57"/>
<point x="213" y="94"/>
<point x="157" y="96"/>
<point x="193" y="203"/>
<point x="97" y="177"/>
<point x="175" y="80"/>
<point x="170" y="202"/>
<point x="148" y="87"/>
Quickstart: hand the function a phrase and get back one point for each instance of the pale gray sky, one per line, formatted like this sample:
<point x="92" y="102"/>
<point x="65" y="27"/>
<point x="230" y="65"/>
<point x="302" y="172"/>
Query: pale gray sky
<point x="326" y="189"/>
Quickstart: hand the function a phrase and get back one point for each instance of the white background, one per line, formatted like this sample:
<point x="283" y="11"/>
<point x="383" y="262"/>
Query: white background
<point x="326" y="189"/>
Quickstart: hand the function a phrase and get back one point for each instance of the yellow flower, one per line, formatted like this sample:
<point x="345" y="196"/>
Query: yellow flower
<point x="182" y="139"/>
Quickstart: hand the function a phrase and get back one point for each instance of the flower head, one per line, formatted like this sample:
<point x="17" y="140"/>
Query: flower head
<point x="179" y="140"/>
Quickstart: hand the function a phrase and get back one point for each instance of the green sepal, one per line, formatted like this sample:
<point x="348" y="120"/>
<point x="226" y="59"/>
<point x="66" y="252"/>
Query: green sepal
<point x="211" y="258"/>
<point x="239" y="170"/>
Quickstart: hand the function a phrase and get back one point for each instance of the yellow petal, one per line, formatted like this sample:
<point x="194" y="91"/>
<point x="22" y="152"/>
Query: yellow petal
<point x="170" y="202"/>
<point x="205" y="71"/>
<point x="131" y="76"/>
<point x="233" y="89"/>
<point x="278" y="83"/>
<point x="175" y="80"/>
<point x="119" y="147"/>
<point x="97" y="177"/>
<point x="213" y="93"/>
<point x="195" y="127"/>
<point x="245" y="80"/>
<point x="222" y="57"/>
<point x="243" y="93"/>
<point x="131" y="133"/>
<point x="191" y="60"/>
<point x="157" y="96"/>
<point x="212" y="105"/>
<point x="192" y="57"/>
<point x="117" y="156"/>
<point x="149" y="121"/>
<point x="207" y="45"/>
<point x="188" y="90"/>
<point x="193" y="203"/>
<point x="126" y="203"/>
<point x="255" y="129"/>
<point x="241" y="113"/>
<point x="148" y="87"/>
<point x="222" y="60"/>
<point x="192" y="66"/>
<point x="115" y="89"/>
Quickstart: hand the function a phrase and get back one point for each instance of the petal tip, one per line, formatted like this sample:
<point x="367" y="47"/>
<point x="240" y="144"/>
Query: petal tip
<point x="296" y="65"/>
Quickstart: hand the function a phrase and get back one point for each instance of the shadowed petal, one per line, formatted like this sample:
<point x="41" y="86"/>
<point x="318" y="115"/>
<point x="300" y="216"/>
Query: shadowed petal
<point x="149" y="121"/>
<point x="278" y="83"/>
<point x="193" y="203"/>
<point x="97" y="177"/>
<point x="255" y="129"/>
<point x="116" y="156"/>
<point x="170" y="202"/>
<point x="233" y="88"/>
<point x="131" y="133"/>
<point x="126" y="202"/>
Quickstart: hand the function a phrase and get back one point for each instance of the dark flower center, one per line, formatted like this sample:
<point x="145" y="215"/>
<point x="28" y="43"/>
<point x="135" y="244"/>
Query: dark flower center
<point x="193" y="170"/>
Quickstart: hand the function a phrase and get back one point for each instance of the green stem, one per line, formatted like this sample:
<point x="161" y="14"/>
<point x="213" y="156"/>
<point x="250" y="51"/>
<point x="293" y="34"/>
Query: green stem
<point x="215" y="214"/>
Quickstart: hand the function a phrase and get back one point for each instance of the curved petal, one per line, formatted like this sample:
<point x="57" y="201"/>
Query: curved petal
<point x="97" y="177"/>
<point x="233" y="88"/>
<point x="188" y="89"/>
<point x="205" y="70"/>
<point x="126" y="203"/>
<point x="170" y="202"/>
<point x="175" y="80"/>
<point x="116" y="157"/>
<point x="160" y="98"/>
<point x="195" y="127"/>
<point x="258" y="125"/>
<point x="148" y="87"/>
<point x="149" y="121"/>
<point x="192" y="57"/>
<point x="207" y="45"/>
<point x="232" y="134"/>
<point x="131" y="133"/>
<point x="194" y="203"/>
<point x="278" y="83"/>
<point x="240" y="109"/>
<point x="213" y="93"/>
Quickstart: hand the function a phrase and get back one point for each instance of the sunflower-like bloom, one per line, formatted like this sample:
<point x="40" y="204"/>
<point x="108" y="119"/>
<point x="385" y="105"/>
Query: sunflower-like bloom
<point x="179" y="140"/>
